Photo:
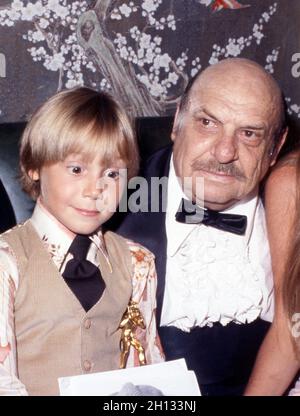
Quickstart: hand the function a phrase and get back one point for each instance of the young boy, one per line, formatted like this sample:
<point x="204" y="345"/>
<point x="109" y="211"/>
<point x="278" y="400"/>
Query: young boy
<point x="64" y="285"/>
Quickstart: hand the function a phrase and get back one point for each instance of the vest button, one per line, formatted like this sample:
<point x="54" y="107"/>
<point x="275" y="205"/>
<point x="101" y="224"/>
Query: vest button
<point x="87" y="323"/>
<point x="87" y="365"/>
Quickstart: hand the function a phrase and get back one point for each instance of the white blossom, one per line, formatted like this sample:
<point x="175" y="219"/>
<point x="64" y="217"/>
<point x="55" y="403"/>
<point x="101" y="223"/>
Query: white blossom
<point x="292" y="108"/>
<point x="213" y="60"/>
<point x="13" y="14"/>
<point x="43" y="23"/>
<point x="141" y="54"/>
<point x="194" y="71"/>
<point x="53" y="4"/>
<point x="124" y="52"/>
<point x="149" y="5"/>
<point x="266" y="17"/>
<point x="62" y="12"/>
<point x="38" y="36"/>
<point x="28" y="12"/>
<point x="17" y="5"/>
<point x="39" y="8"/>
<point x="55" y="63"/>
<point x="120" y="40"/>
<point x="145" y="41"/>
<point x="157" y="40"/>
<point x="233" y="49"/>
<point x="125" y="10"/>
<point x="162" y="61"/>
<point x="173" y="77"/>
<point x="115" y="15"/>
<point x="71" y="83"/>
<point x="156" y="89"/>
<point x="205" y="2"/>
<point x="270" y="59"/>
<point x="149" y="56"/>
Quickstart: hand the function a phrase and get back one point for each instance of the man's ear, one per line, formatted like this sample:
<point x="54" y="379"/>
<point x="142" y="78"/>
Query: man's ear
<point x="275" y="151"/>
<point x="175" y="125"/>
<point x="34" y="174"/>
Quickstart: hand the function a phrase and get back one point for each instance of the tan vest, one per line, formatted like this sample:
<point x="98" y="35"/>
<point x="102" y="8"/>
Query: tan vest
<point x="55" y="336"/>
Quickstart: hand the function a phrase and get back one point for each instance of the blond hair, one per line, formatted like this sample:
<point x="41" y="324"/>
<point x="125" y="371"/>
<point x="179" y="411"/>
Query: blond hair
<point x="82" y="121"/>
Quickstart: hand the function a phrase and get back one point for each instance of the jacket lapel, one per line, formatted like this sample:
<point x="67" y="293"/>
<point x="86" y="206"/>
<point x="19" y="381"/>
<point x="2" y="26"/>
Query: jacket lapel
<point x="148" y="228"/>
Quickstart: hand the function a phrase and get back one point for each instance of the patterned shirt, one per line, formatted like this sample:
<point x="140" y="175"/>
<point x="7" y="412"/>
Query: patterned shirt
<point x="57" y="240"/>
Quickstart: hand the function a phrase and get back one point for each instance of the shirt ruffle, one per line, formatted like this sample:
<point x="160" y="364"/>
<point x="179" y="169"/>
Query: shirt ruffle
<point x="218" y="284"/>
<point x="296" y="390"/>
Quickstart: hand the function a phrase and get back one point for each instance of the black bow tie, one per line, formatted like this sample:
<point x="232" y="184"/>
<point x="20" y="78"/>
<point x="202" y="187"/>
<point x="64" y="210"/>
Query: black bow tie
<point x="190" y="213"/>
<point x="81" y="275"/>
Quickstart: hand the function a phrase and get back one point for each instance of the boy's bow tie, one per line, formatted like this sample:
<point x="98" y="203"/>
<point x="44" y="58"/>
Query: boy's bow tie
<point x="81" y="275"/>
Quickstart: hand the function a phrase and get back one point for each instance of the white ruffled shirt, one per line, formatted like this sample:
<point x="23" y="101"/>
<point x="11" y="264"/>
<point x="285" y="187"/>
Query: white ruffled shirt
<point x="213" y="275"/>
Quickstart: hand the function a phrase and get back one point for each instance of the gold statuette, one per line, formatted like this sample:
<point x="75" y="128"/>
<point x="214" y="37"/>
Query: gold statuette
<point x="132" y="319"/>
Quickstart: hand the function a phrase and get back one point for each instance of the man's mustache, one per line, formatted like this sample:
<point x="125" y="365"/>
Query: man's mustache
<point x="215" y="167"/>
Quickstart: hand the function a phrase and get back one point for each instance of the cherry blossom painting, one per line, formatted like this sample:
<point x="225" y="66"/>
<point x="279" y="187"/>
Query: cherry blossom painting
<point x="142" y="51"/>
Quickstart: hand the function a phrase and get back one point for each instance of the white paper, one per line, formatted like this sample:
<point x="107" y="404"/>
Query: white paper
<point x="172" y="378"/>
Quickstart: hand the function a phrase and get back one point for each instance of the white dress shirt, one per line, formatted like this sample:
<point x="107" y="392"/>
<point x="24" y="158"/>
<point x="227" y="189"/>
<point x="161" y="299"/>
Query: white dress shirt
<point x="214" y="275"/>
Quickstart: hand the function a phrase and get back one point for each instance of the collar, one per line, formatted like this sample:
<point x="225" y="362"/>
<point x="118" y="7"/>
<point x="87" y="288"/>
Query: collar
<point x="57" y="238"/>
<point x="178" y="232"/>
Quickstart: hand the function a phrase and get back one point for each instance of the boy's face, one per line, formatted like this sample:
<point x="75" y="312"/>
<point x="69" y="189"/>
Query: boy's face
<point x="82" y="195"/>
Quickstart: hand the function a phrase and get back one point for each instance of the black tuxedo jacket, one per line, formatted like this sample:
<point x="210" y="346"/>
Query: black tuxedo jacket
<point x="222" y="357"/>
<point x="7" y="216"/>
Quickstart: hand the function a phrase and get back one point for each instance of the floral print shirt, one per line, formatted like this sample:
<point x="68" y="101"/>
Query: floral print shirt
<point x="57" y="240"/>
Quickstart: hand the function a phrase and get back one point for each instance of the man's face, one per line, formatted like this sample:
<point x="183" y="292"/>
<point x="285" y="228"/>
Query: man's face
<point x="81" y="195"/>
<point x="225" y="136"/>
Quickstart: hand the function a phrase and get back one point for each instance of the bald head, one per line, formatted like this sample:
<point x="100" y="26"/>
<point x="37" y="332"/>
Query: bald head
<point x="239" y="69"/>
<point x="228" y="130"/>
<point x="243" y="75"/>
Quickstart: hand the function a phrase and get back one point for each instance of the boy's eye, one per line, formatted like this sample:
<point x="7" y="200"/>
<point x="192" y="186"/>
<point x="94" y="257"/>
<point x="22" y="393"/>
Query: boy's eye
<point x="113" y="174"/>
<point x="75" y="170"/>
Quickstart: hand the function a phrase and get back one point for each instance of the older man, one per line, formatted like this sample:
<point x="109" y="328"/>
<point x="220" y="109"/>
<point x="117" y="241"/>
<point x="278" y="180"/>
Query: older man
<point x="214" y="273"/>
